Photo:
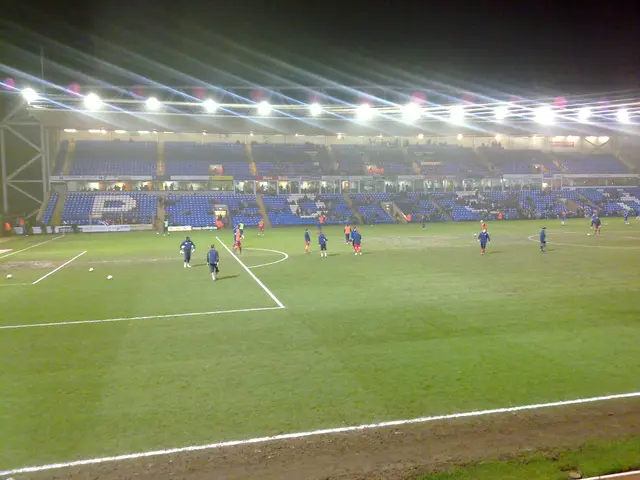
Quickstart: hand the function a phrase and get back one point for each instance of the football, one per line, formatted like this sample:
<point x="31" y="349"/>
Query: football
<point x="109" y="277"/>
<point x="91" y="269"/>
<point x="9" y="276"/>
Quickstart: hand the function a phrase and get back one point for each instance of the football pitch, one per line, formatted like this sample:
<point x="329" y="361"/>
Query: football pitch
<point x="421" y="324"/>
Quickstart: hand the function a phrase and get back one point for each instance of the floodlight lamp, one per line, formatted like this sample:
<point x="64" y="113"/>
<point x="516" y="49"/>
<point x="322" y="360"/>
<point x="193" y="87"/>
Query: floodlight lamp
<point x="584" y="114"/>
<point x="315" y="109"/>
<point x="544" y="115"/>
<point x="411" y="112"/>
<point x="30" y="95"/>
<point x="456" y="114"/>
<point x="264" y="108"/>
<point x="459" y="137"/>
<point x="501" y="112"/>
<point x="92" y="101"/>
<point x="364" y="112"/>
<point x="623" y="115"/>
<point x="153" y="103"/>
<point x="210" y="106"/>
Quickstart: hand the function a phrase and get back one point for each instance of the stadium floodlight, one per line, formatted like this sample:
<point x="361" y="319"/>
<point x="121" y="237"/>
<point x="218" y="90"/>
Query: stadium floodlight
<point x="264" y="108"/>
<point x="411" y="112"/>
<point x="153" y="103"/>
<point x="30" y="95"/>
<point x="623" y="115"/>
<point x="92" y="101"/>
<point x="210" y="106"/>
<point x="315" y="109"/>
<point x="584" y="114"/>
<point x="459" y="136"/>
<point x="501" y="112"/>
<point x="544" y="115"/>
<point x="364" y="111"/>
<point x="456" y="114"/>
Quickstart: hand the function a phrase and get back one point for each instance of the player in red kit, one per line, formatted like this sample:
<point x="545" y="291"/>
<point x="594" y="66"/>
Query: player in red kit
<point x="261" y="227"/>
<point x="237" y="245"/>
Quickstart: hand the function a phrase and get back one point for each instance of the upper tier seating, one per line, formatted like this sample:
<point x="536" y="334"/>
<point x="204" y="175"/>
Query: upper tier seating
<point x="113" y="158"/>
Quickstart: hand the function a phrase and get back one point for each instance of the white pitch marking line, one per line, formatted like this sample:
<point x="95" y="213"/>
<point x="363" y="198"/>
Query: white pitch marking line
<point x="130" y="319"/>
<point x="326" y="431"/>
<point x="60" y="267"/>
<point x="253" y="275"/>
<point x="29" y="248"/>
<point x="285" y="256"/>
<point x="14" y="284"/>
<point x="534" y="237"/>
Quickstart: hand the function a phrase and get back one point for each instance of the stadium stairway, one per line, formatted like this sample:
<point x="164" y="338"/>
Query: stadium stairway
<point x="263" y="210"/>
<point x="161" y="164"/>
<point x="332" y="156"/>
<point x="56" y="218"/>
<point x="556" y="161"/>
<point x="68" y="159"/>
<point x="626" y="161"/>
<point x="355" y="211"/>
<point x="572" y="206"/>
<point x="161" y="214"/>
<point x="43" y="207"/>
<point x="441" y="210"/>
<point x="481" y="160"/>
<point x="395" y="209"/>
<point x="252" y="165"/>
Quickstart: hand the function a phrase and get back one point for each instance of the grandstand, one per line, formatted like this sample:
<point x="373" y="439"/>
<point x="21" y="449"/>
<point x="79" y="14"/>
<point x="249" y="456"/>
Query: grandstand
<point x="113" y="158"/>
<point x="520" y="161"/>
<point x="85" y="208"/>
<point x="440" y="160"/>
<point x="591" y="164"/>
<point x="191" y="158"/>
<point x="286" y="160"/>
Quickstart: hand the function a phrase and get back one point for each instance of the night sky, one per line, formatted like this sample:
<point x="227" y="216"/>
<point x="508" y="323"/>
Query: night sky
<point x="563" y="46"/>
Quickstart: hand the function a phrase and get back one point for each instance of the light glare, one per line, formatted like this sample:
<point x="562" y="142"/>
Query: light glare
<point x="315" y="109"/>
<point x="623" y="115"/>
<point x="501" y="112"/>
<point x="264" y="108"/>
<point x="92" y="101"/>
<point x="30" y="95"/>
<point x="210" y="106"/>
<point x="364" y="112"/>
<point x="544" y="115"/>
<point x="411" y="112"/>
<point x="153" y="103"/>
<point x="584" y="114"/>
<point x="456" y="114"/>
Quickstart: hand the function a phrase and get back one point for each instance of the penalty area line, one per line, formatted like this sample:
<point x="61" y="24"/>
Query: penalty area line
<point x="59" y="268"/>
<point x="131" y="319"/>
<point x="312" y="433"/>
<point x="29" y="248"/>
<point x="253" y="275"/>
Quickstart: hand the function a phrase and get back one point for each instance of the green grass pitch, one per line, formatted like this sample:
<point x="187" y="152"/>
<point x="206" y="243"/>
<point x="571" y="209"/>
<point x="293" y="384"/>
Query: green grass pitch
<point x="421" y="324"/>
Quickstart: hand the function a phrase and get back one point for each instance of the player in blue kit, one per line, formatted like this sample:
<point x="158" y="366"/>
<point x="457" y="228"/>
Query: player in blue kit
<point x="307" y="241"/>
<point x="322" y="241"/>
<point x="213" y="258"/>
<point x="626" y="217"/>
<point x="186" y="248"/>
<point x="483" y="237"/>
<point x="543" y="239"/>
<point x="357" y="242"/>
<point x="596" y="225"/>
